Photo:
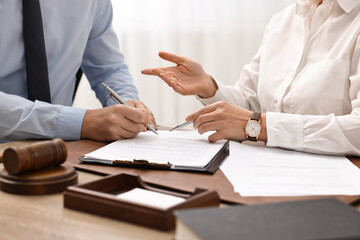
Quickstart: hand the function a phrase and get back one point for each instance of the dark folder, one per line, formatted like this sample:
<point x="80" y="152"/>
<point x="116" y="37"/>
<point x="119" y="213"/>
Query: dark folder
<point x="314" y="219"/>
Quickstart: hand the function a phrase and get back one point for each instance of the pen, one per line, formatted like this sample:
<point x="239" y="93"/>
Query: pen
<point x="114" y="96"/>
<point x="181" y="125"/>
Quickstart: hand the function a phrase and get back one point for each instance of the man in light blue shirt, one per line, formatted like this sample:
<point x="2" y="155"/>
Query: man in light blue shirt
<point x="78" y="33"/>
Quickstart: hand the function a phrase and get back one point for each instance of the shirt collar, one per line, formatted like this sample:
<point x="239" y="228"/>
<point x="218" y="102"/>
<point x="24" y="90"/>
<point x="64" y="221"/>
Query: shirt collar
<point x="346" y="5"/>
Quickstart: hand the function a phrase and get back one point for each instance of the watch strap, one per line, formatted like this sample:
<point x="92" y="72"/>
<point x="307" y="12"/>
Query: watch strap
<point x="255" y="116"/>
<point x="254" y="139"/>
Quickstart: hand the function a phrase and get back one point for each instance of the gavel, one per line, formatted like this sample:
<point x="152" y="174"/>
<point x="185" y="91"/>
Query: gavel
<point x="34" y="156"/>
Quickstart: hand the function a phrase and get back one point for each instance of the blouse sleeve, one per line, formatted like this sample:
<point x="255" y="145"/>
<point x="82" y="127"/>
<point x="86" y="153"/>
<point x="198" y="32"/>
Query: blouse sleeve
<point x="326" y="134"/>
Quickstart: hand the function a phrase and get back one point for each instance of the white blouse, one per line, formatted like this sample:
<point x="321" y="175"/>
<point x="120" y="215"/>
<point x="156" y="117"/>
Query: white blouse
<point x="306" y="77"/>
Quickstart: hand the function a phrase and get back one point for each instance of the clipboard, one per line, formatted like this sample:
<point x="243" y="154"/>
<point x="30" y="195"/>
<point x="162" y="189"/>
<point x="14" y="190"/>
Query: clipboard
<point x="210" y="168"/>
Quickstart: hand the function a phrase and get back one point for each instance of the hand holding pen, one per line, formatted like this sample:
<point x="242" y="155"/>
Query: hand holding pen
<point x="115" y="122"/>
<point x="119" y="100"/>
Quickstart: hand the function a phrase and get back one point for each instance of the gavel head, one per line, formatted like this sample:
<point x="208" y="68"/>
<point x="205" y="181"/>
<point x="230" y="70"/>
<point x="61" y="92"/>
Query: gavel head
<point x="34" y="156"/>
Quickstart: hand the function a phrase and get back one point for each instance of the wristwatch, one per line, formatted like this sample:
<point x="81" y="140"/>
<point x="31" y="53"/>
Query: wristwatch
<point x="253" y="127"/>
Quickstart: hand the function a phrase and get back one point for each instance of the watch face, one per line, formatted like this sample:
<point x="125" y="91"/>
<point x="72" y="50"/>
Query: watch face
<point x="253" y="128"/>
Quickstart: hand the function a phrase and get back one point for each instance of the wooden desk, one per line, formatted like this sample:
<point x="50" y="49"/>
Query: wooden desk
<point x="44" y="217"/>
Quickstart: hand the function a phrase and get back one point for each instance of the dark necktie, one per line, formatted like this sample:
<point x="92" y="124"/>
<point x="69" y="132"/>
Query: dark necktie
<point x="35" y="53"/>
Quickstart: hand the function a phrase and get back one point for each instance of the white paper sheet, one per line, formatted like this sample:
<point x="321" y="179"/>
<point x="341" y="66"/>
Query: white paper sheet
<point x="150" y="198"/>
<point x="180" y="148"/>
<point x="263" y="171"/>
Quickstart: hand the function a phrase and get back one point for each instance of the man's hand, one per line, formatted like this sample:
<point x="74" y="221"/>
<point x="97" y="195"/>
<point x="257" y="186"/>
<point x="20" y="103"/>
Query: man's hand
<point x="226" y="119"/>
<point x="141" y="105"/>
<point x="114" y="123"/>
<point x="186" y="78"/>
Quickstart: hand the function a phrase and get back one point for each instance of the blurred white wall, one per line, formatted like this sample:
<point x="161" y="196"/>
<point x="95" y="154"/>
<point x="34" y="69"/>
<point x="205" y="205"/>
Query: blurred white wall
<point x="222" y="35"/>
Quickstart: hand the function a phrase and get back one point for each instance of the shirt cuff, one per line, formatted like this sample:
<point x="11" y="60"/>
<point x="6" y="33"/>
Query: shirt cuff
<point x="219" y="95"/>
<point x="69" y="123"/>
<point x="284" y="130"/>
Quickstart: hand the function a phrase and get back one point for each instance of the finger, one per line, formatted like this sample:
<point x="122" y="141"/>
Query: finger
<point x="218" y="135"/>
<point x="124" y="133"/>
<point x="209" y="126"/>
<point x="136" y="115"/>
<point x="156" y="71"/>
<point x="150" y="71"/>
<point x="204" y="118"/>
<point x="131" y="126"/>
<point x="207" y="109"/>
<point x="151" y="118"/>
<point x="138" y="104"/>
<point x="131" y="102"/>
<point x="167" y="78"/>
<point x="178" y="87"/>
<point x="161" y="72"/>
<point x="172" y="57"/>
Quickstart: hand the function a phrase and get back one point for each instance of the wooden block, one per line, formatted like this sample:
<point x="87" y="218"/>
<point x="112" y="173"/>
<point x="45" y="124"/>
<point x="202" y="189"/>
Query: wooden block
<point x="50" y="180"/>
<point x="35" y="156"/>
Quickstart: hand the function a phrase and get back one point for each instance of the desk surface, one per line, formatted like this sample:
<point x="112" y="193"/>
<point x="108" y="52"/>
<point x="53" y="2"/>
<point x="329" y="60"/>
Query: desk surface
<point x="44" y="217"/>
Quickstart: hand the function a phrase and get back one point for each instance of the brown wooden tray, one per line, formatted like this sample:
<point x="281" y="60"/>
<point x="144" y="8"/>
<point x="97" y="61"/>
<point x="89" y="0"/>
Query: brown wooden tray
<point x="99" y="197"/>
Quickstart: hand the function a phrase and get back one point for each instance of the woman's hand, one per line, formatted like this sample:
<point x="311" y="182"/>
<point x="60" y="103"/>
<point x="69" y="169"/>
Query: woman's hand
<point x="186" y="78"/>
<point x="226" y="119"/>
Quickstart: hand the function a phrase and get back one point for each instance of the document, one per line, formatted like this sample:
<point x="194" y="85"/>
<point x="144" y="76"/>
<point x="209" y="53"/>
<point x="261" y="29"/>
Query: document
<point x="150" y="198"/>
<point x="177" y="148"/>
<point x="263" y="171"/>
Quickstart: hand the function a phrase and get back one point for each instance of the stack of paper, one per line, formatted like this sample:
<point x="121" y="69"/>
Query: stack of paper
<point x="263" y="171"/>
<point x="180" y="148"/>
